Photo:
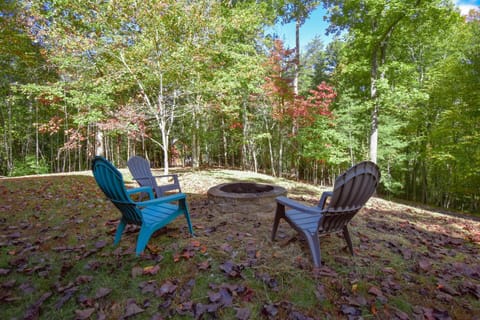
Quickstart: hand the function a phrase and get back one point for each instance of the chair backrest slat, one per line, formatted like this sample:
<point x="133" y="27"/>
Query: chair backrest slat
<point x="142" y="173"/>
<point x="351" y="191"/>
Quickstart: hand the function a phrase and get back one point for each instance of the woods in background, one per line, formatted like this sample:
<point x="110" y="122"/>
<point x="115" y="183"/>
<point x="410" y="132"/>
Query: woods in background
<point x="202" y="83"/>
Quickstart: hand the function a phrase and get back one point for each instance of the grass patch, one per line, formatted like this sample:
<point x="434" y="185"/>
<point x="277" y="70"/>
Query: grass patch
<point x="57" y="259"/>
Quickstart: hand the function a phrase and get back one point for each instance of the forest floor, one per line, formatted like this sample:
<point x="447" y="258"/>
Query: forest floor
<point x="57" y="260"/>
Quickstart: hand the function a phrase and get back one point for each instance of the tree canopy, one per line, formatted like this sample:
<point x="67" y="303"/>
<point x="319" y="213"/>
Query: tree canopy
<point x="202" y="83"/>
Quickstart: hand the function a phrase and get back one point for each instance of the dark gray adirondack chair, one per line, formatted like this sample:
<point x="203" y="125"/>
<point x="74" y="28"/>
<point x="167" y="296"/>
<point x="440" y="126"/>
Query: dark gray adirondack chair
<point x="141" y="172"/>
<point x="351" y="191"/>
<point x="150" y="215"/>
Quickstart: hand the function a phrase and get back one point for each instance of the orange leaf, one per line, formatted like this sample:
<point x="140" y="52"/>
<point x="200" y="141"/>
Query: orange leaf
<point x="373" y="308"/>
<point x="195" y="243"/>
<point x="153" y="248"/>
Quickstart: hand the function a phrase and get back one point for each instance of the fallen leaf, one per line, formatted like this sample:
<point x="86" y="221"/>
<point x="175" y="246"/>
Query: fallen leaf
<point x="195" y="243"/>
<point x="137" y="271"/>
<point x="226" y="247"/>
<point x="242" y="313"/>
<point x="33" y="311"/>
<point x="231" y="269"/>
<point x="102" y="292"/>
<point x="350" y="310"/>
<point x="84" y="314"/>
<point x="269" y="310"/>
<point x="375" y="291"/>
<point x="445" y="287"/>
<point x="67" y="295"/>
<point x="424" y="264"/>
<point x="320" y="292"/>
<point x="100" y="244"/>
<point x="204" y="265"/>
<point x="168" y="287"/>
<point x="4" y="272"/>
<point x="83" y="279"/>
<point x="132" y="309"/>
<point x="154" y="248"/>
<point x="151" y="270"/>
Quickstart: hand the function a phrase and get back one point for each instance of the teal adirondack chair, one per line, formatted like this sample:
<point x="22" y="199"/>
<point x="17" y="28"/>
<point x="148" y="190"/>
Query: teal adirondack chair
<point x="150" y="215"/>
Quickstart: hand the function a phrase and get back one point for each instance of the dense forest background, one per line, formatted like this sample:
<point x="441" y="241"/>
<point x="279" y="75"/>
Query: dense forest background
<point x="203" y="83"/>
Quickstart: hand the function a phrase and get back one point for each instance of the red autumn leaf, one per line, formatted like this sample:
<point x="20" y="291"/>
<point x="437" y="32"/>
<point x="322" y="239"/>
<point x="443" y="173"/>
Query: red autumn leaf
<point x="195" y="243"/>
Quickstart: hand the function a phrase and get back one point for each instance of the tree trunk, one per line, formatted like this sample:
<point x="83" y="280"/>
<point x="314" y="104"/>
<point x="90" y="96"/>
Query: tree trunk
<point x="297" y="57"/>
<point x="280" y="156"/>
<point x="270" y="150"/>
<point x="244" y="158"/>
<point x="225" y="144"/>
<point x="99" y="146"/>
<point x="373" y="97"/>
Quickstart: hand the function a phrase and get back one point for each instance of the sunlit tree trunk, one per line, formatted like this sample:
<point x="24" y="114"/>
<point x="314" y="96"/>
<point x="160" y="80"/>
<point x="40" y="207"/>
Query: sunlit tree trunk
<point x="99" y="145"/>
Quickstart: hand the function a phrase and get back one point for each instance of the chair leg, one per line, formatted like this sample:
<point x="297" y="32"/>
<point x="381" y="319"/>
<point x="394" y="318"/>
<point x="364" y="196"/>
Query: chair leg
<point x="118" y="234"/>
<point x="314" y="244"/>
<point x="186" y="213"/>
<point x="143" y="237"/>
<point x="189" y="223"/>
<point x="279" y="213"/>
<point x="346" y="235"/>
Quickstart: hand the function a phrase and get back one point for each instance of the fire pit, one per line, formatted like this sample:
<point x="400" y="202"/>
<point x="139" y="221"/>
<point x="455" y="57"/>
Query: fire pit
<point x="244" y="198"/>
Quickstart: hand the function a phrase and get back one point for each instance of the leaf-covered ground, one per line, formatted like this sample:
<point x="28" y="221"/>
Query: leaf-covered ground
<point x="57" y="260"/>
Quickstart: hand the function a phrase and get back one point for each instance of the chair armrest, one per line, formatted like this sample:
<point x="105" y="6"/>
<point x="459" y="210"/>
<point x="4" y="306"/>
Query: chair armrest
<point x="142" y="178"/>
<point x="324" y="198"/>
<point x="166" y="199"/>
<point x="298" y="206"/>
<point x="166" y="175"/>
<point x="145" y="189"/>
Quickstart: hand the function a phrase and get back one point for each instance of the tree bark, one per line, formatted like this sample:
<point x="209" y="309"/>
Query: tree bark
<point x="297" y="57"/>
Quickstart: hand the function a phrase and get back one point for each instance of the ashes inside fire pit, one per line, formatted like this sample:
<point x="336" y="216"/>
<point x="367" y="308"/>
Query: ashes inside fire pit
<point x="244" y="198"/>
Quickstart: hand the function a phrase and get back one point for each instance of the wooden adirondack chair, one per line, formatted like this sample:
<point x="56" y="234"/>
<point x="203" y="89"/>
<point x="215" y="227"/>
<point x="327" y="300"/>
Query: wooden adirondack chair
<point x="141" y="172"/>
<point x="351" y="191"/>
<point x="150" y="215"/>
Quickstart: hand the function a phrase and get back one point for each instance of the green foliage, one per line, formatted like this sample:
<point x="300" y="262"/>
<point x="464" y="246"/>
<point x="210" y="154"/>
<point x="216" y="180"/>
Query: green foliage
<point x="190" y="77"/>
<point x="30" y="166"/>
